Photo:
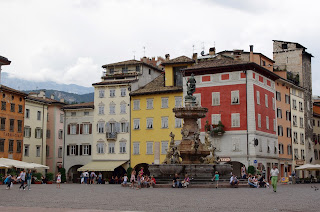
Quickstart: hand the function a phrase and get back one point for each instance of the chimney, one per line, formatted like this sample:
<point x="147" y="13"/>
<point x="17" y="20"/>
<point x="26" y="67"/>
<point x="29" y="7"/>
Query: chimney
<point x="212" y="51"/>
<point x="237" y="54"/>
<point x="251" y="53"/>
<point x="52" y="96"/>
<point x="167" y="57"/>
<point x="42" y="93"/>
<point x="62" y="100"/>
<point x="195" y="57"/>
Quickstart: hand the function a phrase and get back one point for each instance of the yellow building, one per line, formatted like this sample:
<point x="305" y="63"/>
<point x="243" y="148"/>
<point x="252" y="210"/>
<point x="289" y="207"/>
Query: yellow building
<point x="152" y="118"/>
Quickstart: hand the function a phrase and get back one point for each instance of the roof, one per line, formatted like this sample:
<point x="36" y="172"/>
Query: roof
<point x="11" y="90"/>
<point x="215" y="63"/>
<point x="89" y="105"/>
<point x="45" y="100"/>
<point x="299" y="45"/>
<point x="115" y="82"/>
<point x="179" y="60"/>
<point x="131" y="62"/>
<point x="156" y="86"/>
<point x="4" y="61"/>
<point x="244" y="52"/>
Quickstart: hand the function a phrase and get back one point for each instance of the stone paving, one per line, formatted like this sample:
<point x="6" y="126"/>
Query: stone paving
<point x="71" y="197"/>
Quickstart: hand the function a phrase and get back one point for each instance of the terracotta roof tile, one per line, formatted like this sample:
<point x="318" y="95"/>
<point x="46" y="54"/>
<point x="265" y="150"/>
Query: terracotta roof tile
<point x="179" y="60"/>
<point x="131" y="62"/>
<point x="216" y="63"/>
<point x="6" y="88"/>
<point x="156" y="86"/>
<point x="114" y="82"/>
<point x="78" y="106"/>
<point x="45" y="100"/>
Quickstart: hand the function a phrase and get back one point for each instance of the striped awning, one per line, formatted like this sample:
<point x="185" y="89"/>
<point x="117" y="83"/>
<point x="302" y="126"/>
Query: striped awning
<point x="101" y="165"/>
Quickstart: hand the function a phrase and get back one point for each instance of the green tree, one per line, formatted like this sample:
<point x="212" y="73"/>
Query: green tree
<point x="129" y="170"/>
<point x="251" y="170"/>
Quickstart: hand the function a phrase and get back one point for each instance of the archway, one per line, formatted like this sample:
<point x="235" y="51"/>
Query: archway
<point x="73" y="175"/>
<point x="236" y="166"/>
<point x="145" y="166"/>
<point x="119" y="171"/>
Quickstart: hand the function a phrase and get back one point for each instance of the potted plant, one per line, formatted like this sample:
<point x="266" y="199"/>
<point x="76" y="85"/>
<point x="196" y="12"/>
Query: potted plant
<point x="218" y="129"/>
<point x="38" y="177"/>
<point x="49" y="177"/>
<point x="1" y="179"/>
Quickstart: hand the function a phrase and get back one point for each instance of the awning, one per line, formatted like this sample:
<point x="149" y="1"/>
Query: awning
<point x="3" y="166"/>
<point x="101" y="165"/>
<point x="20" y="164"/>
<point x="310" y="167"/>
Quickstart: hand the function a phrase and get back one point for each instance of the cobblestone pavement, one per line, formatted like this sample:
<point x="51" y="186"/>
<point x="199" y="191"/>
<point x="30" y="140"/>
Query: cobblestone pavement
<point x="71" y="197"/>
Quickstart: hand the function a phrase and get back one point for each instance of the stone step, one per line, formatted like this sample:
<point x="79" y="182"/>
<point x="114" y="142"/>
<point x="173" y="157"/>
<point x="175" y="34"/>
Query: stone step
<point x="204" y="186"/>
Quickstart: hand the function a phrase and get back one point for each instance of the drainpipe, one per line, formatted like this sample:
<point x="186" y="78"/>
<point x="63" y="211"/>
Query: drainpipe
<point x="42" y="133"/>
<point x="64" y="137"/>
<point x="247" y="117"/>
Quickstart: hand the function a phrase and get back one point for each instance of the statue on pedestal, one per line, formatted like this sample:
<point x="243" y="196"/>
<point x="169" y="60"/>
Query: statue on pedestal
<point x="191" y="88"/>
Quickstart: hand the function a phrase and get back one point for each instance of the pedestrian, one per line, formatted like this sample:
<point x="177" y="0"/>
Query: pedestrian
<point x="99" y="178"/>
<point x="274" y="177"/>
<point x="243" y="172"/>
<point x="216" y="178"/>
<point x="234" y="182"/>
<point x="81" y="178"/>
<point x="186" y="181"/>
<point x="125" y="180"/>
<point x="176" y="181"/>
<point x="251" y="182"/>
<point x="8" y="181"/>
<point x="58" y="179"/>
<point x="86" y="176"/>
<point x="92" y="177"/>
<point x="29" y="177"/>
<point x="22" y="180"/>
<point x="133" y="178"/>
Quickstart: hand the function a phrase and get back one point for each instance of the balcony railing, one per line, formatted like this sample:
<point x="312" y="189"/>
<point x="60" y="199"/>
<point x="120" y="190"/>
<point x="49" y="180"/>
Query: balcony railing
<point x="111" y="135"/>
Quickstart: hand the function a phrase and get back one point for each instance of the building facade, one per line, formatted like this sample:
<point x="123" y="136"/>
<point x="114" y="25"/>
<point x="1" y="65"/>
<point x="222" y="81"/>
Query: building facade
<point x="316" y="132"/>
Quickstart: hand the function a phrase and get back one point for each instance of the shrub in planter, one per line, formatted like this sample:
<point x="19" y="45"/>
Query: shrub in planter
<point x="251" y="170"/>
<point x="49" y="177"/>
<point x="38" y="177"/>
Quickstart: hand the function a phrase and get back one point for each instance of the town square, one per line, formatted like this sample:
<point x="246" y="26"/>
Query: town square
<point x="154" y="105"/>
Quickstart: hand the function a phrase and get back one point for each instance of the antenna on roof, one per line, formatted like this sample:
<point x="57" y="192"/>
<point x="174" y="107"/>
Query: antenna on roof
<point x="144" y="51"/>
<point x="134" y="55"/>
<point x="192" y="48"/>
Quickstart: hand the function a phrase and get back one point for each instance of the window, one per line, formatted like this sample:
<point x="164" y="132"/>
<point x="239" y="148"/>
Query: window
<point x="60" y="152"/>
<point x="12" y="107"/>
<point x="73" y="129"/>
<point x="300" y="106"/>
<point x="19" y="125"/>
<point x="295" y="137"/>
<point x="289" y="149"/>
<point x="2" y="145"/>
<point x="215" y="98"/>
<point x="288" y="132"/>
<point x="164" y="102"/>
<point x="138" y="68"/>
<point x="26" y="150"/>
<point x="101" y="93"/>
<point x="301" y="138"/>
<point x="287" y="99"/>
<point x="268" y="146"/>
<point x="10" y="146"/>
<point x="273" y="104"/>
<point x="100" y="148"/>
<point x="20" y="108"/>
<point x="295" y="123"/>
<point x="279" y="113"/>
<point x="101" y="110"/>
<point x="259" y="120"/>
<point x="281" y="150"/>
<point x="27" y="132"/>
<point x="112" y="92"/>
<point x="267" y="122"/>
<point x="301" y="122"/>
<point x="235" y="119"/>
<point x="38" y="133"/>
<point x="123" y="107"/>
<point x="294" y="104"/>
<point x="86" y="113"/>
<point x="164" y="122"/>
<point x="60" y="134"/>
<point x="39" y="115"/>
<point x="215" y="118"/>
<point x="274" y="125"/>
<point x="11" y="125"/>
<point x="124" y="127"/>
<point x="100" y="127"/>
<point x="149" y="123"/>
<point x="47" y="116"/>
<point x="178" y="123"/>
<point x="258" y="97"/>
<point x="3" y="124"/>
<point x="149" y="148"/>
<point x="302" y="154"/>
<point x="27" y="113"/>
<point x="136" y="124"/>
<point x="178" y="101"/>
<point x="235" y="144"/>
<point x="37" y="151"/>
<point x="284" y="46"/>
<point x="316" y="156"/>
<point x="288" y="115"/>
<point x="280" y="130"/>
<point x="123" y="147"/>
<point x="47" y="151"/>
<point x="73" y="113"/>
<point x="112" y="109"/>
<point x="266" y="100"/>
<point x="296" y="155"/>
<point x="123" y="92"/>
<point x="235" y="97"/>
<point x="111" y="147"/>
<point x="278" y="96"/>
<point x="61" y="118"/>
<point x="125" y="70"/>
<point x="73" y="149"/>
<point x="136" y="148"/>
<point x="86" y="129"/>
<point x="111" y="70"/>
<point x="149" y="104"/>
<point x="136" y="104"/>
<point x="164" y="147"/>
<point x="19" y="146"/>
<point x="3" y="105"/>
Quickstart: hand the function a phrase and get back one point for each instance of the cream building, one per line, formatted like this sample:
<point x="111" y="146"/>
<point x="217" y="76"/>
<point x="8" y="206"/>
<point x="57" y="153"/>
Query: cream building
<point x="35" y="130"/>
<point x="111" y="131"/>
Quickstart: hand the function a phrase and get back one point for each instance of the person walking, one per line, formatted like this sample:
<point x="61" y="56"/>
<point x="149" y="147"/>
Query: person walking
<point x="58" y="179"/>
<point x="22" y="179"/>
<point x="133" y="178"/>
<point x="29" y="177"/>
<point x="216" y="178"/>
<point x="8" y="180"/>
<point x="99" y="178"/>
<point x="274" y="177"/>
<point x="86" y="176"/>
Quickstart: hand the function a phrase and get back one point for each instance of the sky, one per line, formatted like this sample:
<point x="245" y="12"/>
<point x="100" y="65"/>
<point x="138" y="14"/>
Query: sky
<point x="69" y="41"/>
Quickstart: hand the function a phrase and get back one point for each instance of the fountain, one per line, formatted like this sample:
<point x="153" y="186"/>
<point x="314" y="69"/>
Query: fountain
<point x="191" y="156"/>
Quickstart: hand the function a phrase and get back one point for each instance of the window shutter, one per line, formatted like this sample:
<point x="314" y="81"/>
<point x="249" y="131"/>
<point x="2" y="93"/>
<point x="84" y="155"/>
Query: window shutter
<point x="117" y="127"/>
<point x="77" y="131"/>
<point x="90" y="128"/>
<point x="89" y="149"/>
<point x="68" y="129"/>
<point x="30" y="133"/>
<point x="80" y="150"/>
<point x="76" y="149"/>
<point x="127" y="127"/>
<point x="108" y="127"/>
<point x="41" y="133"/>
<point x="24" y="133"/>
<point x="35" y="133"/>
<point x="81" y="128"/>
<point x="68" y="150"/>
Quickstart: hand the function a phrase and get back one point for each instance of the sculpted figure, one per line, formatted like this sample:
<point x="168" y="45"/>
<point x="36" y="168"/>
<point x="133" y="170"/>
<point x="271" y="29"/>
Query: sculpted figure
<point x="191" y="85"/>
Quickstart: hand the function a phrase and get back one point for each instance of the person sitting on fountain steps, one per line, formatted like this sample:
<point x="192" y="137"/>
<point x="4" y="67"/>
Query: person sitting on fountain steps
<point x="234" y="181"/>
<point x="176" y="181"/>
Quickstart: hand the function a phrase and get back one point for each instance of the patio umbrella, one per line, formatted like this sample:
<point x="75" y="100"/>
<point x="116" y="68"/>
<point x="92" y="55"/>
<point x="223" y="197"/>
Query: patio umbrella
<point x="310" y="167"/>
<point x="39" y="166"/>
<point x="3" y="166"/>
<point x="16" y="163"/>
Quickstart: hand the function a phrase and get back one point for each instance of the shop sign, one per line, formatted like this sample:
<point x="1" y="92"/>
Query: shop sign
<point x="226" y="159"/>
<point x="299" y="162"/>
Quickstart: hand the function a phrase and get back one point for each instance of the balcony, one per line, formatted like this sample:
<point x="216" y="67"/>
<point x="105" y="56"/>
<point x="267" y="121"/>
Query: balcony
<point x="111" y="135"/>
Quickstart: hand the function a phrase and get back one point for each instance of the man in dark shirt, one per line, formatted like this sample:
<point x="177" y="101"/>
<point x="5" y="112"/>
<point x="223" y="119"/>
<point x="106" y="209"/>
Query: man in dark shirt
<point x="176" y="181"/>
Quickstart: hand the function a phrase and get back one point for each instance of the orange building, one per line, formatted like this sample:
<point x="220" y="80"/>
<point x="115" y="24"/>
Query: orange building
<point x="11" y="125"/>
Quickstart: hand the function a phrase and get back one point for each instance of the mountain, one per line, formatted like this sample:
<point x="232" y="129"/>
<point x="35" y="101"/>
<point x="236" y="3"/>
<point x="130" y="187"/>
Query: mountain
<point x="70" y="98"/>
<point x="26" y="85"/>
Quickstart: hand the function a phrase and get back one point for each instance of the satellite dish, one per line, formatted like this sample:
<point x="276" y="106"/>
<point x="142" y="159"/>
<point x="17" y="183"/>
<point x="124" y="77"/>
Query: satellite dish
<point x="202" y="53"/>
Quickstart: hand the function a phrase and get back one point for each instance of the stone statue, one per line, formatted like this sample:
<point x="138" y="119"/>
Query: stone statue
<point x="175" y="156"/>
<point x="191" y="88"/>
<point x="206" y="141"/>
<point x="172" y="139"/>
<point x="167" y="160"/>
<point x="184" y="133"/>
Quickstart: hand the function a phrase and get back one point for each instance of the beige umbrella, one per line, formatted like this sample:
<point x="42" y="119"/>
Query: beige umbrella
<point x="3" y="166"/>
<point x="39" y="166"/>
<point x="309" y="167"/>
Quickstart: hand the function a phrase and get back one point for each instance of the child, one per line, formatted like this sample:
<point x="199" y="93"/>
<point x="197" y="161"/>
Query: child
<point x="125" y="180"/>
<point x="133" y="178"/>
<point x="152" y="182"/>
<point x="139" y="180"/>
<point x="216" y="178"/>
<point x="186" y="181"/>
<point x="8" y="180"/>
<point x="58" y="179"/>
